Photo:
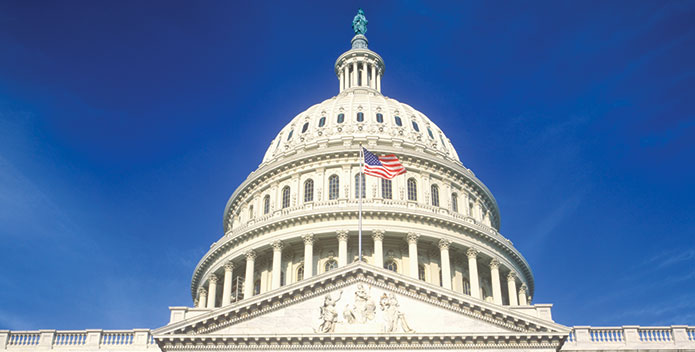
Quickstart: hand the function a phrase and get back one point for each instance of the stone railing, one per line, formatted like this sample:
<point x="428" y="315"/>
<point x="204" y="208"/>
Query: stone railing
<point x="588" y="338"/>
<point x="82" y="340"/>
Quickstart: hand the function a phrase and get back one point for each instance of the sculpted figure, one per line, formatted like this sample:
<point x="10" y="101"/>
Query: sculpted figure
<point x="328" y="314"/>
<point x="363" y="309"/>
<point x="393" y="317"/>
<point x="359" y="23"/>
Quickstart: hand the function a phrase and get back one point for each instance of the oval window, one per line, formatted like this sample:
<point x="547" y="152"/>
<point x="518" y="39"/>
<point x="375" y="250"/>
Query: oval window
<point x="341" y="118"/>
<point x="379" y="118"/>
<point x="415" y="127"/>
<point x="429" y="131"/>
<point x="306" y="126"/>
<point x="322" y="121"/>
<point x="360" y="117"/>
<point x="289" y="136"/>
<point x="398" y="120"/>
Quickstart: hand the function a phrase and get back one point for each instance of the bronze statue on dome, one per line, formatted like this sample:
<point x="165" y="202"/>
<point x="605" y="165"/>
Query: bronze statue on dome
<point x="359" y="23"/>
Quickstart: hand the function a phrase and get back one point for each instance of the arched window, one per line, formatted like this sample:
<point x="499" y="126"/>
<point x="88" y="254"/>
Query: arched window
<point x="415" y="127"/>
<point x="454" y="202"/>
<point x="360" y="117"/>
<point x="398" y="120"/>
<point x="391" y="265"/>
<point x="250" y="211"/>
<point x="466" y="286"/>
<point x="341" y="118"/>
<point x="386" y="189"/>
<point x="421" y="272"/>
<point x="289" y="136"/>
<point x="379" y="118"/>
<point x="357" y="186"/>
<point x="285" y="197"/>
<point x="333" y="187"/>
<point x="435" y="195"/>
<point x="305" y="127"/>
<point x="300" y="272"/>
<point x="257" y="287"/>
<point x="266" y="204"/>
<point x="309" y="190"/>
<point x="330" y="265"/>
<point x="412" y="189"/>
<point x="322" y="121"/>
<point x="429" y="131"/>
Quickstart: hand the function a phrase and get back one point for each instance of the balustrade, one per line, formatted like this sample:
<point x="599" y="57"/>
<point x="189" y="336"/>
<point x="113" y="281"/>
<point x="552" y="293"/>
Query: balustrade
<point x="662" y="338"/>
<point x="133" y="340"/>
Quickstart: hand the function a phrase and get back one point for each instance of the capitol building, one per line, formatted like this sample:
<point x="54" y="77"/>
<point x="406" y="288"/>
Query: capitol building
<point x="435" y="272"/>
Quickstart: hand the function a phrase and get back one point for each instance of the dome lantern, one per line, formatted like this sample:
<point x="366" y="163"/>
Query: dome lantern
<point x="359" y="67"/>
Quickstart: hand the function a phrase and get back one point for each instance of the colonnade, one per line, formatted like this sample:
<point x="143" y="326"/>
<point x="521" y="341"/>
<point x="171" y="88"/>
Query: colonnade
<point x="359" y="73"/>
<point x="207" y="295"/>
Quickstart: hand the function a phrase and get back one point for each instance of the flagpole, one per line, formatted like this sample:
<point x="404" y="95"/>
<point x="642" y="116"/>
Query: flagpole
<point x="359" y="191"/>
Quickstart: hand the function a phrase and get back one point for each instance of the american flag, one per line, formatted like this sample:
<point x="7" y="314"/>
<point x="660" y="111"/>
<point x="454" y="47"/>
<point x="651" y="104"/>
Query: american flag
<point x="386" y="167"/>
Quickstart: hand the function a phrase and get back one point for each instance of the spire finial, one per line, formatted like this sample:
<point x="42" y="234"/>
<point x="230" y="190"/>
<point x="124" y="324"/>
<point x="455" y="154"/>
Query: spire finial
<point x="359" y="23"/>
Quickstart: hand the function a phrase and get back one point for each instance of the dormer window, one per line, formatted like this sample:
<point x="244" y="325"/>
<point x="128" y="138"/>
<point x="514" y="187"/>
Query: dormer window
<point x="398" y="121"/>
<point x="379" y="118"/>
<point x="341" y="118"/>
<point x="360" y="117"/>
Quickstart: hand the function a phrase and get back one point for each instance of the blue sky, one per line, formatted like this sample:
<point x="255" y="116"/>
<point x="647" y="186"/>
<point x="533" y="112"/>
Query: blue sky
<point x="125" y="127"/>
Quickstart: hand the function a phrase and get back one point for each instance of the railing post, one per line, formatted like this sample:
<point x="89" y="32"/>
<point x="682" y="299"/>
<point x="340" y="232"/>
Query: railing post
<point x="141" y="337"/>
<point x="679" y="334"/>
<point x="93" y="338"/>
<point x="4" y="336"/>
<point x="631" y="334"/>
<point x="46" y="338"/>
<point x="581" y="334"/>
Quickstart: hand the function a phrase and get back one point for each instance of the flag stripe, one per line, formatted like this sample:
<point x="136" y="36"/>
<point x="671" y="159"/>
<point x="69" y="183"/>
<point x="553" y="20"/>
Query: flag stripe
<point x="386" y="167"/>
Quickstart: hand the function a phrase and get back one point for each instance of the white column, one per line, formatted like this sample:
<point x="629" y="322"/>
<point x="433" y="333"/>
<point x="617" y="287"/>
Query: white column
<point x="248" y="280"/>
<point x="277" y="264"/>
<point x="522" y="295"/>
<point x="308" y="255"/>
<point x="495" y="277"/>
<point x="227" y="288"/>
<point x="372" y="83"/>
<point x="446" y="263"/>
<point x="344" y="75"/>
<point x="412" y="238"/>
<point x="353" y="76"/>
<point x="472" y="254"/>
<point x="378" y="82"/>
<point x="378" y="236"/>
<point x="511" y="284"/>
<point x="212" y="290"/>
<point x="342" y="247"/>
<point x="202" y="297"/>
<point x="364" y="74"/>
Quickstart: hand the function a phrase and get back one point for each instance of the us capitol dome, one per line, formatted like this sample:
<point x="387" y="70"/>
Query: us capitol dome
<point x="436" y="274"/>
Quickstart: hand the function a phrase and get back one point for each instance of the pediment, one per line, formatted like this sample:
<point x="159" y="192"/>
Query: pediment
<point x="359" y="300"/>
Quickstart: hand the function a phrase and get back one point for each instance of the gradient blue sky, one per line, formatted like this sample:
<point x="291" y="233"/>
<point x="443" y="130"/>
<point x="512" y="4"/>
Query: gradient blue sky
<point x="125" y="127"/>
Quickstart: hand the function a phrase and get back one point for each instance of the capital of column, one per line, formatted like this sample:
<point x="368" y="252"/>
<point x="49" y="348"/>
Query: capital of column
<point x="342" y="235"/>
<point x="472" y="253"/>
<point x="202" y="291"/>
<point x="213" y="278"/>
<point x="250" y="255"/>
<point x="308" y="238"/>
<point x="277" y="246"/>
<point x="523" y="288"/>
<point x="229" y="266"/>
<point x="511" y="277"/>
<point x="378" y="235"/>
<point x="412" y="237"/>
<point x="494" y="263"/>
<point x="444" y="244"/>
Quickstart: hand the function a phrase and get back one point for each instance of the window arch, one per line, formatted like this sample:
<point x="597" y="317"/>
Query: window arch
<point x="305" y="127"/>
<point x="357" y="186"/>
<point x="398" y="120"/>
<point x="416" y="127"/>
<point x="360" y="117"/>
<point x="300" y="272"/>
<point x="309" y="190"/>
<point x="322" y="121"/>
<point x="251" y="211"/>
<point x="379" y="118"/>
<point x="412" y="189"/>
<point x="421" y="272"/>
<point x="386" y="189"/>
<point x="330" y="265"/>
<point x="285" y="197"/>
<point x="391" y="265"/>
<point x="454" y="202"/>
<point x="266" y="204"/>
<point x="333" y="187"/>
<point x="435" y="195"/>
<point x="341" y="118"/>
